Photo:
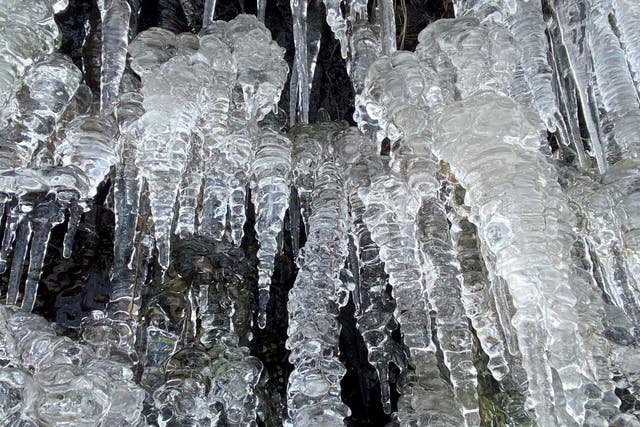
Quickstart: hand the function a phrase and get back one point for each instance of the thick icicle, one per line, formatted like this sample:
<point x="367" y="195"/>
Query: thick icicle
<point x="364" y="45"/>
<point x="387" y="27"/>
<point x="87" y="390"/>
<point x="115" y="15"/>
<point x="545" y="309"/>
<point x="627" y="18"/>
<point x="374" y="309"/>
<point x="270" y="196"/>
<point x="313" y="393"/>
<point x="615" y="86"/>
<point x="476" y="295"/>
<point x="29" y="32"/>
<point x="262" y="71"/>
<point x="310" y="144"/>
<point x="409" y="115"/>
<point x="166" y="142"/>
<point x="571" y="17"/>
<point x="47" y="90"/>
<point x="391" y="210"/>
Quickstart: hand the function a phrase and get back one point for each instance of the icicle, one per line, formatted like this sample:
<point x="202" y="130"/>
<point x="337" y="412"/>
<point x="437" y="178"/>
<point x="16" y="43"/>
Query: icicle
<point x="571" y="17"/>
<point x="374" y="311"/>
<point x="365" y="48"/>
<point x="262" y="71"/>
<point x="476" y="295"/>
<point x="358" y="11"/>
<point x="19" y="257"/>
<point x="43" y="218"/>
<point x="262" y="9"/>
<point x="29" y="32"/>
<point x="75" y="213"/>
<point x="124" y="297"/>
<point x="420" y="170"/>
<point x="234" y="373"/>
<point x="597" y="203"/>
<point x="387" y="27"/>
<point x="163" y="152"/>
<point x="14" y="217"/>
<point x="528" y="28"/>
<point x="47" y="91"/>
<point x="270" y="196"/>
<point x="216" y="193"/>
<point x="627" y="17"/>
<point x="300" y="63"/>
<point x="544" y="308"/>
<point x="313" y="392"/>
<point x="310" y="143"/>
<point x="338" y="24"/>
<point x="209" y="13"/>
<point x="88" y="149"/>
<point x="615" y="86"/>
<point x="195" y="15"/>
<point x="190" y="188"/>
<point x="115" y="15"/>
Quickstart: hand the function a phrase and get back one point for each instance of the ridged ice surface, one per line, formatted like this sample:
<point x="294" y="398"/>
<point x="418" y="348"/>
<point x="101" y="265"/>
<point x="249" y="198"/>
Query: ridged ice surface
<point x="470" y="249"/>
<point x="313" y="392"/>
<point x="51" y="380"/>
<point x="270" y="195"/>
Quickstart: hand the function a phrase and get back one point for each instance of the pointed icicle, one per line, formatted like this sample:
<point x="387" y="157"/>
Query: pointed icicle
<point x="43" y="218"/>
<point x="75" y="213"/>
<point x="14" y="217"/>
<point x="19" y="257"/>
<point x="270" y="196"/>
<point x="190" y="189"/>
<point x="374" y="308"/>
<point x="338" y="24"/>
<point x="476" y="295"/>
<point x="313" y="392"/>
<point x="572" y="19"/>
<point x="115" y="16"/>
<point x="627" y="17"/>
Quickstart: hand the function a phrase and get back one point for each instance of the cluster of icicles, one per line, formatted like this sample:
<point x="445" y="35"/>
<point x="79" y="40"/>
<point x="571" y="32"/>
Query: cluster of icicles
<point x="490" y="243"/>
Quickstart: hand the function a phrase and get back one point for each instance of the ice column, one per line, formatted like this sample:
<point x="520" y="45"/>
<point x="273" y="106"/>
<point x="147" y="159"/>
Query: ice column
<point x="313" y="393"/>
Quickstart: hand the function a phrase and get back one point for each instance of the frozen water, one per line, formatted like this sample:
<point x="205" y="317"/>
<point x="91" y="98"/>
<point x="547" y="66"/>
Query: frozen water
<point x="482" y="220"/>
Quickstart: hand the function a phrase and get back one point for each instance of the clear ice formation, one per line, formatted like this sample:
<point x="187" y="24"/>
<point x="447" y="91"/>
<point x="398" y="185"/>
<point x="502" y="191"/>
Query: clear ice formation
<point x="483" y="217"/>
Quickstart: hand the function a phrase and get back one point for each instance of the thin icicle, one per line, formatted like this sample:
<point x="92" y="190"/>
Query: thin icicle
<point x="75" y="214"/>
<point x="270" y="196"/>
<point x="43" y="218"/>
<point x="13" y="218"/>
<point x="300" y="63"/>
<point x="19" y="257"/>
